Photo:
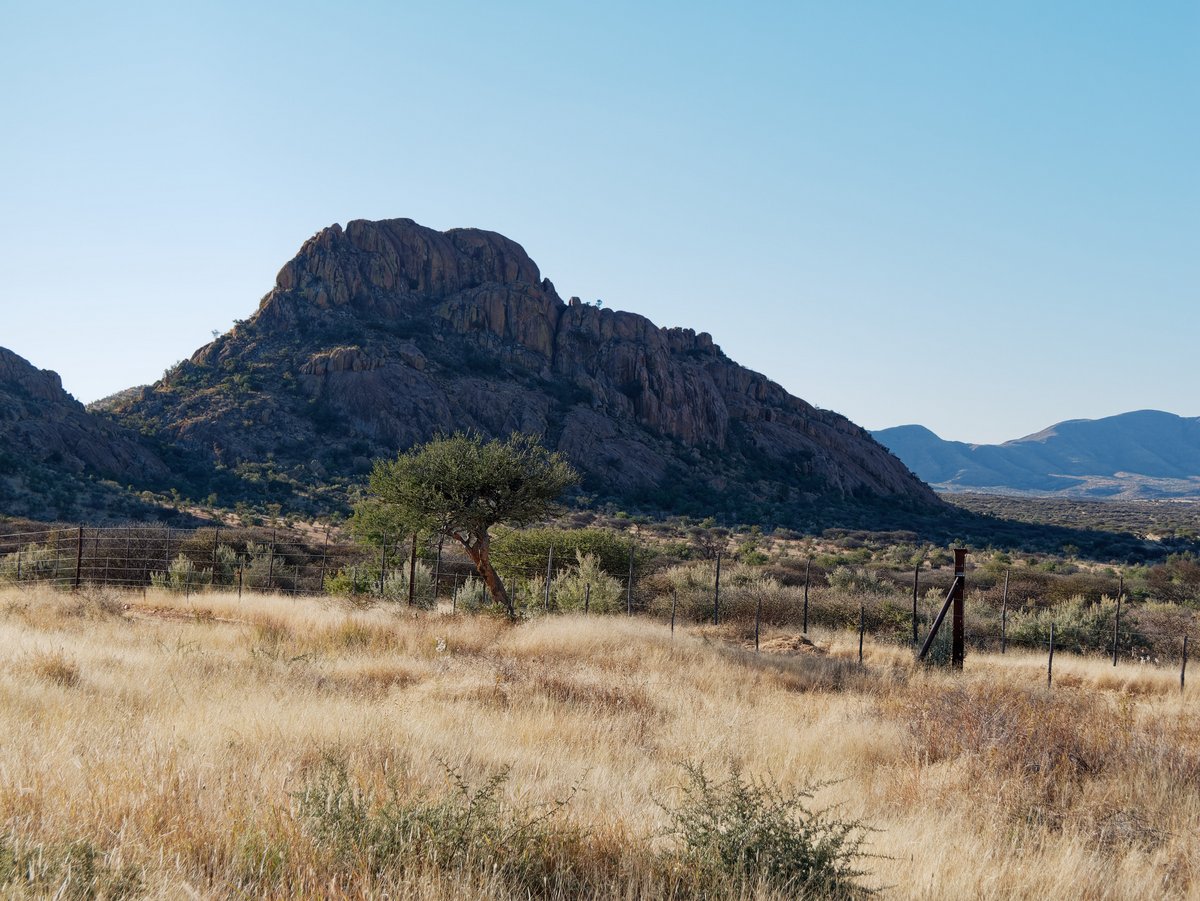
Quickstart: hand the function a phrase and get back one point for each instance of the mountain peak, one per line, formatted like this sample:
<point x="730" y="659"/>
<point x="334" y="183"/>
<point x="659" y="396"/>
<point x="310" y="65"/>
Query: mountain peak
<point x="379" y="335"/>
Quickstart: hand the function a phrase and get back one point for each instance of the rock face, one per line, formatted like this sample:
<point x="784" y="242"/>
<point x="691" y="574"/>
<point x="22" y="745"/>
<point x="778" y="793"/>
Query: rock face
<point x="382" y="334"/>
<point x="52" y="450"/>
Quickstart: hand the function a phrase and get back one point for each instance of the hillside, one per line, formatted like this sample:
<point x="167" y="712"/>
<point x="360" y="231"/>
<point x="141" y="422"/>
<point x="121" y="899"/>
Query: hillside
<point x="57" y="459"/>
<point x="1145" y="454"/>
<point x="383" y="334"/>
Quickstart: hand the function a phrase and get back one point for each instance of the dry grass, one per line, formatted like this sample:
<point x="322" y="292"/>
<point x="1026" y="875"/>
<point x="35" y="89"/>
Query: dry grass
<point x="164" y="748"/>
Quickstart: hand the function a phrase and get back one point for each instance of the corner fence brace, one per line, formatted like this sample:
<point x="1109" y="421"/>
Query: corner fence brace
<point x="955" y="596"/>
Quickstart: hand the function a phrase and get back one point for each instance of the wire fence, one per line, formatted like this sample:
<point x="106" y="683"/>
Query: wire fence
<point x="623" y="578"/>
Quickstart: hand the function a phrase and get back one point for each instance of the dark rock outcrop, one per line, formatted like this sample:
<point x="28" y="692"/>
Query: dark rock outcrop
<point x="41" y="423"/>
<point x="383" y="334"/>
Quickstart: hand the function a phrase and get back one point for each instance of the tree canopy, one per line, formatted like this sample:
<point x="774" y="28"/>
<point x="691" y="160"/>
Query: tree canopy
<point x="461" y="485"/>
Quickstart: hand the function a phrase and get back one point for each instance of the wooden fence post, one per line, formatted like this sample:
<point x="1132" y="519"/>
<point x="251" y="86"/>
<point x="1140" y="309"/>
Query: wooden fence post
<point x="1050" y="663"/>
<point x="587" y="597"/>
<point x="717" y="593"/>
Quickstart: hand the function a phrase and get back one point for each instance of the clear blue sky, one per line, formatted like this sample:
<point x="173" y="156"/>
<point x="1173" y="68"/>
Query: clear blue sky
<point x="896" y="210"/>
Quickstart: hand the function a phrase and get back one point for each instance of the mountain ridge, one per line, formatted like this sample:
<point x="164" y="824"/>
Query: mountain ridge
<point x="1139" y="454"/>
<point x="381" y="334"/>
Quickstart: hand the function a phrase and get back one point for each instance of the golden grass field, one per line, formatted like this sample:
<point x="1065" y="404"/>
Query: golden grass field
<point x="162" y="747"/>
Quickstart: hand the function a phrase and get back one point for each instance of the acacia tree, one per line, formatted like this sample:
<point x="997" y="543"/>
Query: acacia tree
<point x="460" y="486"/>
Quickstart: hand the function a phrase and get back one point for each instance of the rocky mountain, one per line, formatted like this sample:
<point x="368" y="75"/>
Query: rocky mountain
<point x="55" y="456"/>
<point x="1145" y="454"/>
<point x="382" y="334"/>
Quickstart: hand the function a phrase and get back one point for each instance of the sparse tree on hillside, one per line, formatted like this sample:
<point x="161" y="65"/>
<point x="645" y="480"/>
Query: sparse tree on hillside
<point x="460" y="486"/>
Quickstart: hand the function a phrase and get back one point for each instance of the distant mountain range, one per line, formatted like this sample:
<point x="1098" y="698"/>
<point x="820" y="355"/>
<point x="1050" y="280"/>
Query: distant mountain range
<point x="1141" y="455"/>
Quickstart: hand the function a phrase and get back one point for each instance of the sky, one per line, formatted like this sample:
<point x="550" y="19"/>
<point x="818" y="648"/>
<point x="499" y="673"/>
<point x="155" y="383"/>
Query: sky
<point x="980" y="217"/>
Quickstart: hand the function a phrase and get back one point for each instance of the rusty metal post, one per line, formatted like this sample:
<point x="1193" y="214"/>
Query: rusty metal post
<point x="960" y="592"/>
<point x="587" y="597"/>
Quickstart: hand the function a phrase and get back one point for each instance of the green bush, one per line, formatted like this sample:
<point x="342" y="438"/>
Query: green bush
<point x="1079" y="626"/>
<point x="739" y="835"/>
<point x="470" y="828"/>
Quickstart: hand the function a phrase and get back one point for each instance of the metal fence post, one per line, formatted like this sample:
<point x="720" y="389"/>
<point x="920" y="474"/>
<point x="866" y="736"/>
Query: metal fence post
<point x="916" y="591"/>
<point x="78" y="557"/>
<point x="629" y="584"/>
<point x="1050" y="662"/>
<point x="412" y="572"/>
<point x="717" y="593"/>
<point x="807" y="573"/>
<point x="549" y="569"/>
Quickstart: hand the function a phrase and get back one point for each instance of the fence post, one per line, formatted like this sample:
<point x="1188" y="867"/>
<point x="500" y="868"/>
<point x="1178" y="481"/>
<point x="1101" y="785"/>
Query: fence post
<point x="324" y="555"/>
<point x="957" y="651"/>
<point x="167" y="561"/>
<point x="271" y="564"/>
<point x="1116" y="628"/>
<point x="629" y="584"/>
<point x="916" y="591"/>
<point x="587" y="597"/>
<point x="807" y="572"/>
<point x="240" y="570"/>
<point x="674" y="604"/>
<point x="717" y="593"/>
<point x="78" y="557"/>
<point x="216" y="539"/>
<point x="1183" y="665"/>
<point x="18" y="565"/>
<point x="862" y="628"/>
<point x="412" y="572"/>
<point x="1050" y="663"/>
<point x="1004" y="618"/>
<point x="437" y="570"/>
<point x="549" y="569"/>
<point x="757" y="621"/>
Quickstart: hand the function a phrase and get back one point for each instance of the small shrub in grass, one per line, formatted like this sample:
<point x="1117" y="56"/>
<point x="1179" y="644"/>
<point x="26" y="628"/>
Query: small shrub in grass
<point x="738" y="835"/>
<point x="532" y="850"/>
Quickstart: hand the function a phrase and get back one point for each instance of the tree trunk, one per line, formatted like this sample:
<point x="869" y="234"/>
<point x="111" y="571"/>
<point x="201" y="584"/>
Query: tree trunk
<point x="480" y="554"/>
